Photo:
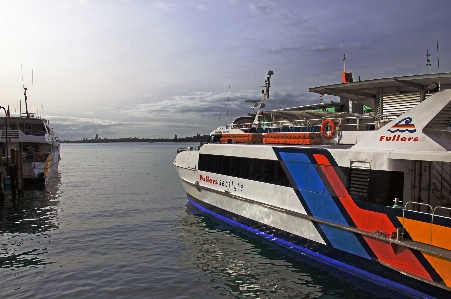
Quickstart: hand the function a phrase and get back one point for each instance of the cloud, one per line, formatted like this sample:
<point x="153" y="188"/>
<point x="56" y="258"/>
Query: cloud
<point x="260" y="8"/>
<point x="354" y="45"/>
<point x="284" y="49"/>
<point x="162" y="5"/>
<point x="199" y="104"/>
<point x="76" y="128"/>
<point x="209" y="105"/>
<point x="67" y="127"/>
<point x="278" y="14"/>
<point x="341" y="46"/>
<point x="323" y="48"/>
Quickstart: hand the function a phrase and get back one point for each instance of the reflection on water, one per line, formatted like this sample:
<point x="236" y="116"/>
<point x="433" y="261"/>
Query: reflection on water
<point x="248" y="266"/>
<point x="24" y="224"/>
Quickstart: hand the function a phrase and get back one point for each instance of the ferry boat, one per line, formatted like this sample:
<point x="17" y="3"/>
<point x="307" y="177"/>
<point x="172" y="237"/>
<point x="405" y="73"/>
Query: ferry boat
<point x="33" y="140"/>
<point x="361" y="183"/>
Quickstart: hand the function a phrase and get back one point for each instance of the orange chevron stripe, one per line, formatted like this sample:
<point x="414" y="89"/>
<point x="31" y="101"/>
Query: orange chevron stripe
<point x="428" y="233"/>
<point x="442" y="267"/>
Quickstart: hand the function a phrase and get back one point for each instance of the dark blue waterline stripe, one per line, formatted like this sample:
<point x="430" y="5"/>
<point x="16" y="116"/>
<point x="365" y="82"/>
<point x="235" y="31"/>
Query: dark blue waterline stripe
<point x="372" y="278"/>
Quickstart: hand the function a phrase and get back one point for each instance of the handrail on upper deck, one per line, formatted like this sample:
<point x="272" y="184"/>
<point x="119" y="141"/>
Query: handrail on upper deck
<point x="444" y="208"/>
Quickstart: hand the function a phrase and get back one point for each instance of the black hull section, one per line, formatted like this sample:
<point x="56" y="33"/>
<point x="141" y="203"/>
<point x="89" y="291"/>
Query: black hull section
<point x="369" y="270"/>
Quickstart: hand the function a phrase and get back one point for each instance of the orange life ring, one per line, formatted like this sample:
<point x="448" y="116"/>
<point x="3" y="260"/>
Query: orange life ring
<point x="39" y="157"/>
<point x="330" y="133"/>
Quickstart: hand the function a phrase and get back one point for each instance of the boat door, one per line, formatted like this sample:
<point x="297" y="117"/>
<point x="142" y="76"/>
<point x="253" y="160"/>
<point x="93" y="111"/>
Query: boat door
<point x="430" y="185"/>
<point x="421" y="184"/>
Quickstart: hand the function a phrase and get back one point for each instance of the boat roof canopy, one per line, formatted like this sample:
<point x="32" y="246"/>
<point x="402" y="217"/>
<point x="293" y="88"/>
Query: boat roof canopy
<point x="314" y="111"/>
<point x="369" y="89"/>
<point x="361" y="91"/>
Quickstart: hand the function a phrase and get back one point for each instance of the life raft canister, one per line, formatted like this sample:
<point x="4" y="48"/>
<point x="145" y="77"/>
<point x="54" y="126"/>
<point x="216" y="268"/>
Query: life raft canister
<point x="328" y="134"/>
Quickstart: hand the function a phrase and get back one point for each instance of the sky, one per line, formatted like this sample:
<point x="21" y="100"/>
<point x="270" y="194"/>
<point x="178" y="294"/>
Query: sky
<point x="156" y="69"/>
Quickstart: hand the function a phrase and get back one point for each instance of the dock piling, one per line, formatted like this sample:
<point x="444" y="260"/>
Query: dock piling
<point x="16" y="173"/>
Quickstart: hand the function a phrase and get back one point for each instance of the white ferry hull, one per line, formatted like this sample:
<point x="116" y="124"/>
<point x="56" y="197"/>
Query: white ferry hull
<point x="257" y="212"/>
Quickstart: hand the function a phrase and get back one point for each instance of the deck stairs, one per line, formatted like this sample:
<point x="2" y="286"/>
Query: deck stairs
<point x="441" y="185"/>
<point x="358" y="178"/>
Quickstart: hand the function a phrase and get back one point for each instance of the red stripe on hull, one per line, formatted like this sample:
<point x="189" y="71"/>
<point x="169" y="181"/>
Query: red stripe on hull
<point x="399" y="257"/>
<point x="371" y="221"/>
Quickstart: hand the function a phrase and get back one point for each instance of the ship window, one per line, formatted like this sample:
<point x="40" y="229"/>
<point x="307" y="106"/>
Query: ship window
<point x="256" y="170"/>
<point x="218" y="164"/>
<point x="245" y="169"/>
<point x="202" y="161"/>
<point x="267" y="171"/>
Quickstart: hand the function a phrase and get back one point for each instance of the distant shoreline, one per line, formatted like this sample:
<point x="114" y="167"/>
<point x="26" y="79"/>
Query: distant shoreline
<point x="203" y="138"/>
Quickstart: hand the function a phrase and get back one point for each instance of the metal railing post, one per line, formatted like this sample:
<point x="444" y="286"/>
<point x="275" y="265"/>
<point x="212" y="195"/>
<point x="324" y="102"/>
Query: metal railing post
<point x="420" y="204"/>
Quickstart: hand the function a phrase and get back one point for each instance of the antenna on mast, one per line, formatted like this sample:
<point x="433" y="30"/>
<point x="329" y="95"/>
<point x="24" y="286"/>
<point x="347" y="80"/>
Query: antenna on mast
<point x="25" y="92"/>
<point x="265" y="96"/>
<point x="344" y="63"/>
<point x="228" y="100"/>
<point x="26" y="104"/>
<point x="438" y="64"/>
<point x="428" y="61"/>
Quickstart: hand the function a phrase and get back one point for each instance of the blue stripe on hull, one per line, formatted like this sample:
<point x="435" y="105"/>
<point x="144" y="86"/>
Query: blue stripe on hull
<point x="320" y="203"/>
<point x="370" y="277"/>
<point x="344" y="240"/>
<point x="311" y="187"/>
<point x="323" y="206"/>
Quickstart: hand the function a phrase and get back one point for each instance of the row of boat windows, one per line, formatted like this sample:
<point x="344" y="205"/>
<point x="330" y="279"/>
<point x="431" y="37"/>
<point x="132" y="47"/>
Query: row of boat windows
<point x="34" y="129"/>
<point x="267" y="171"/>
<point x="375" y="186"/>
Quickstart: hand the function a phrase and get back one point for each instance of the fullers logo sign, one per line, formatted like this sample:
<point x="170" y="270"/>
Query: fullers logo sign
<point x="208" y="180"/>
<point x="402" y="126"/>
<point x="397" y="138"/>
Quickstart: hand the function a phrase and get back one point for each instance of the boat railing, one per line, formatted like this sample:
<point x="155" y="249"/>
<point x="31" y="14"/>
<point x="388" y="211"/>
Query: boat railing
<point x="418" y="205"/>
<point x="442" y="208"/>
<point x="432" y="212"/>
<point x="189" y="148"/>
<point x="38" y="133"/>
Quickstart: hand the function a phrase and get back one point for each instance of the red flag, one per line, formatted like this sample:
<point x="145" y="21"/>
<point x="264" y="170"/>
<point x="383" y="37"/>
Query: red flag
<point x="7" y="112"/>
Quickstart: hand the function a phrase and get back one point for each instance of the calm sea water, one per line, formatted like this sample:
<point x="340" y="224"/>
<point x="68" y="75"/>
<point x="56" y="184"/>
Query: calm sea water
<point x="116" y="224"/>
